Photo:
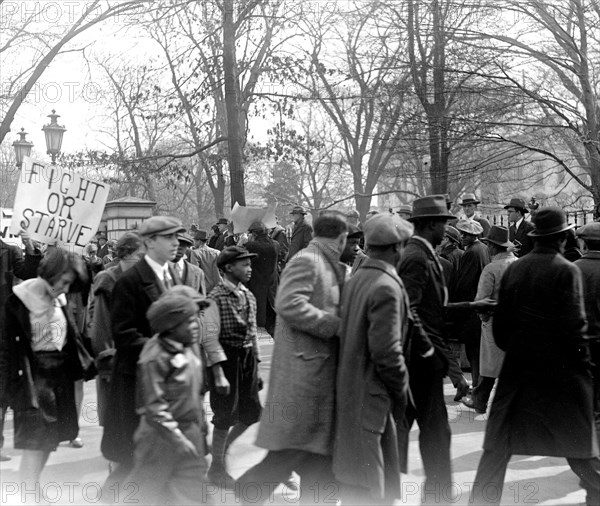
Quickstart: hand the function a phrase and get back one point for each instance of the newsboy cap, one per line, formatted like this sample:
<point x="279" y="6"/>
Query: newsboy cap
<point x="469" y="227"/>
<point x="185" y="238"/>
<point x="161" y="225"/>
<point x="169" y="311"/>
<point x="385" y="230"/>
<point x="233" y="254"/>
<point x="591" y="231"/>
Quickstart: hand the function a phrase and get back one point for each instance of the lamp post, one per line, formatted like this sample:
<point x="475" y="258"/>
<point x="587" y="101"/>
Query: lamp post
<point x="22" y="147"/>
<point x="54" y="135"/>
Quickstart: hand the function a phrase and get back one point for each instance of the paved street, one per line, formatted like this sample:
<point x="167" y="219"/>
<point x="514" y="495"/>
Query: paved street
<point x="74" y="476"/>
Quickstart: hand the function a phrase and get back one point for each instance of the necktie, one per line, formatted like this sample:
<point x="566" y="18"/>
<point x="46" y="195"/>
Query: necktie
<point x="167" y="281"/>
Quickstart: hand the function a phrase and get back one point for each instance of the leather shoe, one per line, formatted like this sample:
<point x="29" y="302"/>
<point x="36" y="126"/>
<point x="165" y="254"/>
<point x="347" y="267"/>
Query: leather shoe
<point x="469" y="402"/>
<point x="462" y="389"/>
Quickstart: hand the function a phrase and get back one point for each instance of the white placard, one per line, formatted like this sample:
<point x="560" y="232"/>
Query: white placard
<point x="5" y="233"/>
<point x="243" y="217"/>
<point x="58" y="206"/>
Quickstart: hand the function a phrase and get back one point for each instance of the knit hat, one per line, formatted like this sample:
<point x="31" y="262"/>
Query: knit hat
<point x="169" y="311"/>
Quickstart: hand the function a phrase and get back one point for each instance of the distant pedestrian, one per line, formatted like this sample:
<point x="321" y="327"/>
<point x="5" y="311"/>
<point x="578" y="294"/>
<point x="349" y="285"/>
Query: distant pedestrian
<point x="277" y="233"/>
<point x="469" y="205"/>
<point x="544" y="400"/>
<point x="302" y="233"/>
<point x="188" y="273"/>
<point x="205" y="257"/>
<point x="519" y="228"/>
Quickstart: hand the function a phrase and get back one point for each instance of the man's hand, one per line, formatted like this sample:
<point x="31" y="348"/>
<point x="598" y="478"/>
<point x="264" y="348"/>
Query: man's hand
<point x="222" y="386"/>
<point x="27" y="242"/>
<point x="462" y="389"/>
<point x="483" y="305"/>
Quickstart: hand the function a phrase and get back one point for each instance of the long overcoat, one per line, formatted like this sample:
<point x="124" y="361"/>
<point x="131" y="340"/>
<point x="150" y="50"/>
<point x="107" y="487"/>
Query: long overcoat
<point x="372" y="380"/>
<point x="132" y="295"/>
<point x="301" y="236"/>
<point x="544" y="401"/>
<point x="264" y="275"/>
<point x="299" y="412"/>
<point x="490" y="356"/>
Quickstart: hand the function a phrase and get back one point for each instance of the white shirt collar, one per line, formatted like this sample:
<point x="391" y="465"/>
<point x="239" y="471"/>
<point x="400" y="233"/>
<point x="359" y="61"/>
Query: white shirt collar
<point x="518" y="223"/>
<point x="160" y="270"/>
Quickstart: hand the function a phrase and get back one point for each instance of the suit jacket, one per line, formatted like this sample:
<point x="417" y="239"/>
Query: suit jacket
<point x="132" y="295"/>
<point x="301" y="236"/>
<point x="520" y="235"/>
<point x="263" y="283"/>
<point x="544" y="401"/>
<point x="192" y="276"/>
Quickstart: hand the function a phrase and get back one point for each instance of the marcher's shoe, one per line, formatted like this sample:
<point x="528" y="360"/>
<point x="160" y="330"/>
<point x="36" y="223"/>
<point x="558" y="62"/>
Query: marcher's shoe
<point x="76" y="443"/>
<point x="462" y="389"/>
<point x="4" y="457"/>
<point x="219" y="476"/>
<point x="470" y="403"/>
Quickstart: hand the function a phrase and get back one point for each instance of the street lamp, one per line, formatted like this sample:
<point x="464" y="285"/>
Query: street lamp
<point x="54" y="135"/>
<point x="22" y="147"/>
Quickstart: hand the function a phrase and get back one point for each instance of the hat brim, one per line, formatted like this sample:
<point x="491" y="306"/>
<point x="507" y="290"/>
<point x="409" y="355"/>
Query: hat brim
<point x="470" y="202"/>
<point x="236" y="259"/>
<point x="441" y="216"/>
<point x="506" y="244"/>
<point x="298" y="212"/>
<point x="187" y="241"/>
<point x="552" y="231"/>
<point x="356" y="235"/>
<point x="525" y="210"/>
<point x="168" y="231"/>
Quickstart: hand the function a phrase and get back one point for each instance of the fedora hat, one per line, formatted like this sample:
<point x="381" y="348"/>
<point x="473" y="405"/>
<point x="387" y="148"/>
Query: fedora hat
<point x="298" y="210"/>
<point x="469" y="198"/>
<point x="406" y="209"/>
<point x="499" y="236"/>
<point x="431" y="206"/>
<point x="517" y="203"/>
<point x="549" y="221"/>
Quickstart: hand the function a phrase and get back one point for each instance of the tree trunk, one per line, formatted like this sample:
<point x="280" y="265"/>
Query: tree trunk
<point x="236" y="169"/>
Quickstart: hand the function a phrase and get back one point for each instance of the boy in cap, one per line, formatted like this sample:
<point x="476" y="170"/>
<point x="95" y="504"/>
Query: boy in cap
<point x="169" y="464"/>
<point x="240" y="408"/>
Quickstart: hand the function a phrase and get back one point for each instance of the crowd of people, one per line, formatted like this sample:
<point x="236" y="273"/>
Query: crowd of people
<point x="367" y="321"/>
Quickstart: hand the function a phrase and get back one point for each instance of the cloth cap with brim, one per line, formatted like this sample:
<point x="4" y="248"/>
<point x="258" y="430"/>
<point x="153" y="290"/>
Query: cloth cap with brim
<point x="517" y="203"/>
<point x="188" y="291"/>
<point x="352" y="214"/>
<point x="222" y="221"/>
<point x="431" y="206"/>
<point x="185" y="238"/>
<point x="161" y="225"/>
<point x="405" y="209"/>
<point x="591" y="231"/>
<point x="499" y="236"/>
<point x="354" y="232"/>
<point x="469" y="198"/>
<point x="385" y="230"/>
<point x="452" y="234"/>
<point x="201" y="235"/>
<point x="298" y="210"/>
<point x="549" y="221"/>
<point x="169" y="311"/>
<point x="469" y="227"/>
<point x="233" y="254"/>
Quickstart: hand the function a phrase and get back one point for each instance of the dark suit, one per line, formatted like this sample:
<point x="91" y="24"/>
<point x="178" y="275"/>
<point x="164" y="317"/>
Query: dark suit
<point x="544" y="401"/>
<point x="301" y="236"/>
<point x="520" y="235"/>
<point x="424" y="281"/>
<point x="132" y="295"/>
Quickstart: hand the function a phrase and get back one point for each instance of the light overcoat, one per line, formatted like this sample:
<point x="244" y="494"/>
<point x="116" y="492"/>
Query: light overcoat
<point x="372" y="380"/>
<point x="544" y="401"/>
<point x="299" y="412"/>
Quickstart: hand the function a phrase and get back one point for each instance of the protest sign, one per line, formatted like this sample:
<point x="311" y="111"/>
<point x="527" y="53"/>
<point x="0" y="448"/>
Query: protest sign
<point x="58" y="206"/>
<point x="243" y="217"/>
<point x="5" y="234"/>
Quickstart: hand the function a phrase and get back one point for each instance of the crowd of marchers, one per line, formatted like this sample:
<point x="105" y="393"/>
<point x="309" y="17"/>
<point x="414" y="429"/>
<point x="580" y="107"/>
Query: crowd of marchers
<point x="367" y="321"/>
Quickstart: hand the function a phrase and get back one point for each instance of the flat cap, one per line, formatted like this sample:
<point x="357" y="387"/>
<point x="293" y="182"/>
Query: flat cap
<point x="354" y="232"/>
<point x="169" y="311"/>
<point x="161" y="225"/>
<point x="352" y="214"/>
<point x="384" y="230"/>
<point x="452" y="234"/>
<point x="298" y="210"/>
<point x="469" y="227"/>
<point x="189" y="292"/>
<point x="185" y="238"/>
<point x="590" y="231"/>
<point x="201" y="235"/>
<point x="233" y="254"/>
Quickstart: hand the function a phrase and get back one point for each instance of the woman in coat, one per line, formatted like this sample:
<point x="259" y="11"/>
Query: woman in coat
<point x="39" y="361"/>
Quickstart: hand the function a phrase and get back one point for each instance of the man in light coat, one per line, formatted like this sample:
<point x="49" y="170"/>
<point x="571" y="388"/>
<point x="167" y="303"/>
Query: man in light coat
<point x="297" y="423"/>
<point x="544" y="400"/>
<point x="302" y="233"/>
<point x="372" y="380"/>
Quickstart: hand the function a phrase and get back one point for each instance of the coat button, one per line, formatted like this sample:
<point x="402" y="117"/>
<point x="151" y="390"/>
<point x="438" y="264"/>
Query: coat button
<point x="20" y="372"/>
<point x="17" y="339"/>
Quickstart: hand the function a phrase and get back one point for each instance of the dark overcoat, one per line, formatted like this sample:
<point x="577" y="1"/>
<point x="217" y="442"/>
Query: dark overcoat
<point x="263" y="283"/>
<point x="372" y="380"/>
<point x="301" y="236"/>
<point x="132" y="295"/>
<point x="520" y="235"/>
<point x="544" y="401"/>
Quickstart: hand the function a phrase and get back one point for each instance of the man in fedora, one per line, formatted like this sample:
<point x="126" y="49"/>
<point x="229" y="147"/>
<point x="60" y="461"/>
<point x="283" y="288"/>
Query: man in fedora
<point x="469" y="204"/>
<point x="544" y="400"/>
<point x="302" y="233"/>
<point x="467" y="326"/>
<point x="490" y="356"/>
<point x="404" y="211"/>
<point x="218" y="240"/>
<point x="589" y="264"/>
<point x="205" y="257"/>
<point x="519" y="228"/>
<point x="133" y="294"/>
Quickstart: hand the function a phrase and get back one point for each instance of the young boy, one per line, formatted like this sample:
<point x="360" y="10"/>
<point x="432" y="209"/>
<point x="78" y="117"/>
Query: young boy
<point x="169" y="463"/>
<point x="240" y="407"/>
